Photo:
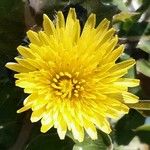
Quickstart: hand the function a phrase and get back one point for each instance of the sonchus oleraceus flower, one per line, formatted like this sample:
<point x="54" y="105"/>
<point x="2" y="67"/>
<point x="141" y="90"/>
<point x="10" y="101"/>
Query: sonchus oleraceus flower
<point x="72" y="77"/>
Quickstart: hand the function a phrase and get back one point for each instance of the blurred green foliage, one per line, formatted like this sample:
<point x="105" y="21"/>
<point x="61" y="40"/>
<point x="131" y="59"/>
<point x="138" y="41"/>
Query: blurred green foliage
<point x="130" y="18"/>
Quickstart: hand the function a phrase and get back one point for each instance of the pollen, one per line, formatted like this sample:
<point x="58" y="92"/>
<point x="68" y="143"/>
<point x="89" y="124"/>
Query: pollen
<point x="67" y="86"/>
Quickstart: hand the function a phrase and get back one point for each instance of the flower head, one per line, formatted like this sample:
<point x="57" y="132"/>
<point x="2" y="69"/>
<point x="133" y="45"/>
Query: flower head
<point x="72" y="77"/>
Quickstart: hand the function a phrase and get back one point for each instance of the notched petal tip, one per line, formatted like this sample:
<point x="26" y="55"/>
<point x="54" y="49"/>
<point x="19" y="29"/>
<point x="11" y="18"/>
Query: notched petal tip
<point x="60" y="23"/>
<point x="33" y="37"/>
<point x="104" y="24"/>
<point x="91" y="21"/>
<point x="105" y="20"/>
<point x="112" y="30"/>
<point x="72" y="9"/>
<point x="72" y="14"/>
<point x="48" y="25"/>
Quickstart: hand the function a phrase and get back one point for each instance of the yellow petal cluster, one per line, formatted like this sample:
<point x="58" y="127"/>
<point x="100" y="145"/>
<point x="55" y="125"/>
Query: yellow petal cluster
<point x="72" y="77"/>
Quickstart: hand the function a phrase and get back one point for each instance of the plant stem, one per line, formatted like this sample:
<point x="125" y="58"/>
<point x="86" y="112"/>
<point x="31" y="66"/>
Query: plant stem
<point x="23" y="135"/>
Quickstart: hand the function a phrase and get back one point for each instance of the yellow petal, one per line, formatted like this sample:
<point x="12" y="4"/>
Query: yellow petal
<point x="62" y="127"/>
<point x="102" y="68"/>
<point x="125" y="65"/>
<point x="45" y="128"/>
<point x="25" y="52"/>
<point x="71" y="18"/>
<point x="115" y="54"/>
<point x="122" y="108"/>
<point x="33" y="37"/>
<point x="78" y="132"/>
<point x="44" y="38"/>
<point x="72" y="29"/>
<point x="130" y="98"/>
<point x="25" y="108"/>
<point x="67" y="117"/>
<point x="34" y="63"/>
<point x="17" y="67"/>
<point x="103" y="26"/>
<point x="60" y="21"/>
<point x="127" y="82"/>
<point x="113" y="113"/>
<point x="24" y="84"/>
<point x="37" y="114"/>
<point x="25" y="63"/>
<point x="102" y="124"/>
<point x="39" y="103"/>
<point x="90" y="129"/>
<point x="30" y="99"/>
<point x="47" y="117"/>
<point x="108" y="35"/>
<point x="48" y="25"/>
<point x="76" y="32"/>
<point x="90" y="23"/>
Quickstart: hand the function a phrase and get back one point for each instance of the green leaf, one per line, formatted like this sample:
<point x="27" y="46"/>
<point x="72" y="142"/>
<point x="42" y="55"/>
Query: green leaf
<point x="124" y="128"/>
<point x="76" y="1"/>
<point x="49" y="142"/>
<point x="123" y="16"/>
<point x="9" y="120"/>
<point x="131" y="74"/>
<point x="8" y="134"/>
<point x="143" y="132"/>
<point x="11" y="27"/>
<point x="144" y="43"/>
<point x="102" y="143"/>
<point x="132" y="29"/>
<point x="143" y="66"/>
<point x="102" y="10"/>
<point x="144" y="6"/>
<point x="144" y="136"/>
<point x="120" y="4"/>
<point x="8" y="102"/>
<point x="143" y="128"/>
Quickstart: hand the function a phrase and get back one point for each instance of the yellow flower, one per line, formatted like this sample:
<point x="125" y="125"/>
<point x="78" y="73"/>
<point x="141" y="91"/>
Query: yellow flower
<point x="72" y="77"/>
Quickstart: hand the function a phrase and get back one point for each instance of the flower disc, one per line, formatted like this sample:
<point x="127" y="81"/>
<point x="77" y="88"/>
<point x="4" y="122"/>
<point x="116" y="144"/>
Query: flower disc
<point x="72" y="77"/>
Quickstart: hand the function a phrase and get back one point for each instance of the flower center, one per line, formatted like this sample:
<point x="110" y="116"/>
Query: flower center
<point x="67" y="86"/>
